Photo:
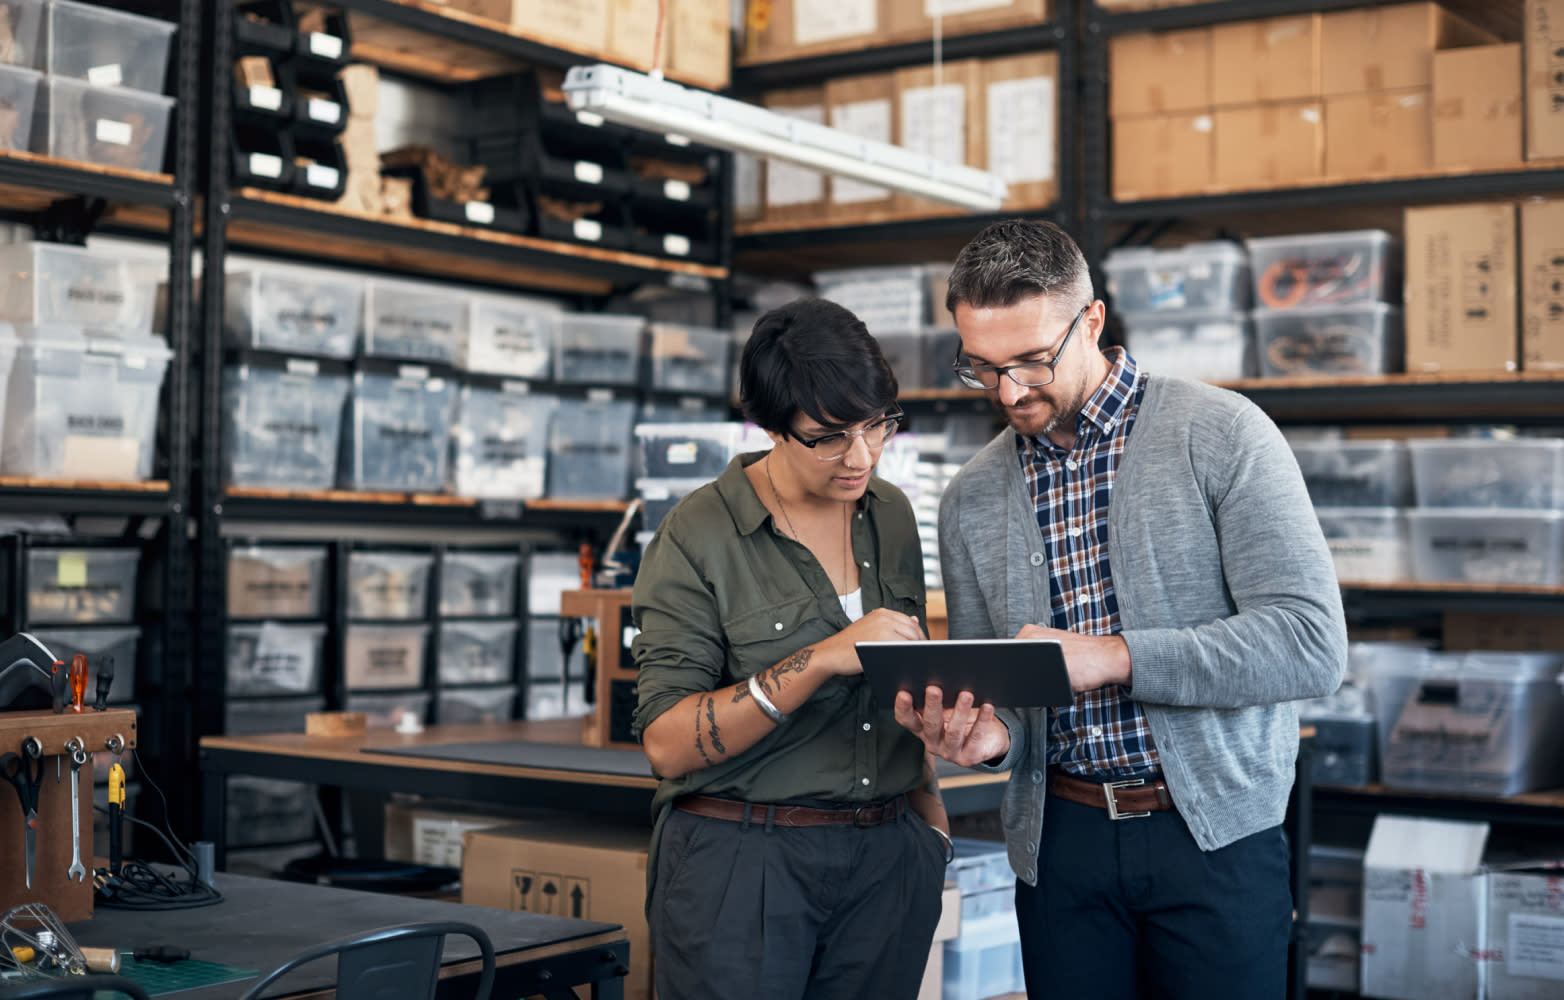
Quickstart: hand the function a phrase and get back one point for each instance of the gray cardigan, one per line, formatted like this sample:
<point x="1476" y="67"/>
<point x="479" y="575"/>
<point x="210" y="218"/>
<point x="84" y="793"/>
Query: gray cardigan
<point x="1227" y="599"/>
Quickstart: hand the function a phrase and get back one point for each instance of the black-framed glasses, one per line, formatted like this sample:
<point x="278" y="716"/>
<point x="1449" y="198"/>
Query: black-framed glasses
<point x="832" y="447"/>
<point x="1030" y="374"/>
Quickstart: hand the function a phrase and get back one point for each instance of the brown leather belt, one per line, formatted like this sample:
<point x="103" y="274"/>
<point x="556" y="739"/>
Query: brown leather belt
<point x="1123" y="799"/>
<point x="737" y="812"/>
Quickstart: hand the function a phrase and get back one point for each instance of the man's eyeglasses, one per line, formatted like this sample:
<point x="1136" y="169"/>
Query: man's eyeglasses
<point x="831" y="447"/>
<point x="1030" y="374"/>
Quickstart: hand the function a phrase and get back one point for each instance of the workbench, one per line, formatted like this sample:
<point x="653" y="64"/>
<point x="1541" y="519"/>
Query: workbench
<point x="262" y="923"/>
<point x="562" y="774"/>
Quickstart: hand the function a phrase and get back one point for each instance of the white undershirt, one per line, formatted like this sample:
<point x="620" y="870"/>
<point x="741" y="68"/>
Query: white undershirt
<point x="852" y="604"/>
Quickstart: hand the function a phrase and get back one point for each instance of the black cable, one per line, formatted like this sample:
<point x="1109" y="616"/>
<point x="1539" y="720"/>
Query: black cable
<point x="139" y="886"/>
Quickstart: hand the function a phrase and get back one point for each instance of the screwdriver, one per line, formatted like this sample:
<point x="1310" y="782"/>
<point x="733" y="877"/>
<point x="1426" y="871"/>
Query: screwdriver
<point x="78" y="680"/>
<point x="116" y="804"/>
<point x="105" y="681"/>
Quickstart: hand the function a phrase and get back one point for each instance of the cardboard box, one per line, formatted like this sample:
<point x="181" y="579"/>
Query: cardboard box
<point x="1270" y="59"/>
<point x="1021" y="98"/>
<point x="432" y="831"/>
<point x="913" y="20"/>
<point x="1542" y="287"/>
<point x="568" y="867"/>
<point x="632" y="26"/>
<point x="1421" y="899"/>
<point x="576" y="25"/>
<point x="1461" y="312"/>
<point x="1390" y="48"/>
<point x="1506" y="633"/>
<point x="864" y="106"/>
<point x="361" y="84"/>
<point x="1269" y="145"/>
<point x="945" y="122"/>
<point x="1152" y="72"/>
<point x="1522" y="947"/>
<point x="1544" y="79"/>
<point x="1477" y="107"/>
<point x="700" y="42"/>
<point x="1378" y="135"/>
<point x="790" y="192"/>
<point x="788" y="29"/>
<point x="1157" y="156"/>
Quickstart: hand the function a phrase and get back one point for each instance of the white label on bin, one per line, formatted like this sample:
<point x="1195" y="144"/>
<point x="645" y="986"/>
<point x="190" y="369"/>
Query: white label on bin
<point x="600" y="395"/>
<point x="106" y="76"/>
<point x="676" y="190"/>
<point x="265" y="165"/>
<point x="284" y="658"/>
<point x="322" y="110"/>
<point x="100" y="458"/>
<point x="1536" y="947"/>
<point x="419" y="372"/>
<point x="683" y="453"/>
<point x="591" y="119"/>
<point x="511" y="387"/>
<point x="587" y="229"/>
<point x="480" y="212"/>
<point x="588" y="172"/>
<point x="675" y="245"/>
<point x="135" y="362"/>
<point x="265" y="98"/>
<point x="321" y="176"/>
<point x="691" y="403"/>
<point x="325" y="46"/>
<point x="112" y="132"/>
<point x="675" y="139"/>
<point x="302" y="366"/>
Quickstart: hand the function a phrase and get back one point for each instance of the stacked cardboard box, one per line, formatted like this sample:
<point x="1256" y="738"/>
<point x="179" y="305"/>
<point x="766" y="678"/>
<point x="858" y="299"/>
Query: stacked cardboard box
<point x="789" y="29"/>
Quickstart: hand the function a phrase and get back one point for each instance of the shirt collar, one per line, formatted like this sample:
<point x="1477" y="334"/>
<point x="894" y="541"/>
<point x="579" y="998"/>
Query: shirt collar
<point x="1102" y="410"/>
<point x="749" y="514"/>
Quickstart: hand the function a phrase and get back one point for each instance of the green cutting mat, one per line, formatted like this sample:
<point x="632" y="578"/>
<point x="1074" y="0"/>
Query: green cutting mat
<point x="158" y="978"/>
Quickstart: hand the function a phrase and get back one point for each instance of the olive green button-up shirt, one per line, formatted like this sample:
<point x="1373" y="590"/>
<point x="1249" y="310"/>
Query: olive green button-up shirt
<point x="722" y="594"/>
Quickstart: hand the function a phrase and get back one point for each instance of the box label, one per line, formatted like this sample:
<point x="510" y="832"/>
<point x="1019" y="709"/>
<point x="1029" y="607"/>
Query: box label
<point x="265" y="98"/>
<point x="112" y="132"/>
<point x="1536" y="947"/>
<point x="934" y="122"/>
<point x="787" y="184"/>
<point x="1021" y="129"/>
<point x="480" y="212"/>
<point x="866" y="120"/>
<point x="550" y="894"/>
<point x="826" y="20"/>
<point x="108" y="75"/>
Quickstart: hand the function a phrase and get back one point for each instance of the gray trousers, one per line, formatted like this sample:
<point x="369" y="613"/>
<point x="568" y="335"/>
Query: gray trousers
<point x="794" y="913"/>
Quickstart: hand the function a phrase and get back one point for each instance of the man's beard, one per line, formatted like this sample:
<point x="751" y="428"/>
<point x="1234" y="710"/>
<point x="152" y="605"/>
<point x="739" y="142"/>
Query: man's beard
<point x="1058" y="416"/>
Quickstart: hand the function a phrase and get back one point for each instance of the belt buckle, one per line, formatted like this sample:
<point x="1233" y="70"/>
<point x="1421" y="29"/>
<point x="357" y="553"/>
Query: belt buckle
<point x="1108" y="790"/>
<point x="859" y="817"/>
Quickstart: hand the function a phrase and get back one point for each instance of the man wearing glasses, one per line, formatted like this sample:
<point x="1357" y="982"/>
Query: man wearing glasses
<point x="801" y="843"/>
<point x="1160" y="530"/>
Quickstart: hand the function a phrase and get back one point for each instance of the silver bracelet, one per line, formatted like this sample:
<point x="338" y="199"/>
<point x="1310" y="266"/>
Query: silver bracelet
<point x="772" y="712"/>
<point x="950" y="847"/>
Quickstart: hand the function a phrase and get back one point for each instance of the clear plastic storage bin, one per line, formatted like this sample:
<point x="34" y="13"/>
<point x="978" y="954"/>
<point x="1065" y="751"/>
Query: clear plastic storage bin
<point x="510" y="336"/>
<point x="26" y="27"/>
<point x="477" y="652"/>
<point x="659" y="496"/>
<point x="1488" y="724"/>
<point x="501" y="443"/>
<point x="1329" y="340"/>
<point x="1465" y="545"/>
<point x="385" y="656"/>
<point x="1367" y="544"/>
<point x="886" y="299"/>
<point x="689" y="359"/>
<point x="282" y="424"/>
<point x="599" y="349"/>
<point x="111" y="126"/>
<point x="589" y="449"/>
<point x="385" y="710"/>
<point x="276" y="581"/>
<point x="1525" y="473"/>
<point x="18" y="95"/>
<point x="985" y="960"/>
<point x="477" y="705"/>
<point x="1324" y="269"/>
<point x="105" y="47"/>
<point x="1203" y="276"/>
<point x="545" y="656"/>
<point x="908" y="355"/>
<point x="272" y="715"/>
<point x="1355" y="473"/>
<point x="398" y="432"/>
<point x="979" y="866"/>
<point x="389" y="584"/>
<point x="478" y="584"/>
<point x="545" y="701"/>
<point x="97" y="644"/>
<point x="292" y="310"/>
<point x="413" y="322"/>
<point x="686" y="451"/>
<point x="81" y="586"/>
<point x="271" y="658"/>
<point x="57" y="285"/>
<point x="264" y="811"/>
<point x="1217" y="346"/>
<point x="549" y="575"/>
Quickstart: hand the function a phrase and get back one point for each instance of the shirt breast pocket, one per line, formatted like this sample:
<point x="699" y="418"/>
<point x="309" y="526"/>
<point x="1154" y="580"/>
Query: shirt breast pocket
<point x="904" y="594"/>
<point x="766" y="636"/>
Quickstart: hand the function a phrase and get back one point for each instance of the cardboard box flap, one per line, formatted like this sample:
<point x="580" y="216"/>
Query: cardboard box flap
<point x="1442" y="847"/>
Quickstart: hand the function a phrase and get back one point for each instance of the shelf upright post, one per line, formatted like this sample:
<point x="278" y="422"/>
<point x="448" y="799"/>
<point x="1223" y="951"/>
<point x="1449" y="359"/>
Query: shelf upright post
<point x="1094" y="137"/>
<point x="1067" y="42"/>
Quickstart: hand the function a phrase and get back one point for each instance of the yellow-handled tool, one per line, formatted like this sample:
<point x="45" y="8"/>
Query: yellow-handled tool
<point x="116" y="807"/>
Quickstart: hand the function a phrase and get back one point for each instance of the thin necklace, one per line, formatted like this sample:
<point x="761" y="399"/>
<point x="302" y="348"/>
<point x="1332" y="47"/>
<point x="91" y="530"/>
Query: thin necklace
<point x="847" y="542"/>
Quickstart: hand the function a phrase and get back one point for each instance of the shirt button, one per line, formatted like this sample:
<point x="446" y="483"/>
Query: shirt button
<point x="867" y="727"/>
<point x="1110" y="424"/>
<point x="1037" y="777"/>
<point x="1037" y="558"/>
<point x="865" y="781"/>
<point x="1031" y="874"/>
<point x="866" y="565"/>
<point x="1096" y="730"/>
<point x="1083" y="600"/>
<point x="778" y="626"/>
<point x="1031" y="848"/>
<point x="1071" y="464"/>
<point x="1075" y="532"/>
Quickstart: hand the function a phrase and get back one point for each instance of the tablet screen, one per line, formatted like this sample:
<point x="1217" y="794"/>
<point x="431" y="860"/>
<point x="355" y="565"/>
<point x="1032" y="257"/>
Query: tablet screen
<point x="1007" y="673"/>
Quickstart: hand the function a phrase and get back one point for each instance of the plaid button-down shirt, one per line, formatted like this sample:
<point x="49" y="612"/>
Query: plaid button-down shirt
<point x="1104" y="733"/>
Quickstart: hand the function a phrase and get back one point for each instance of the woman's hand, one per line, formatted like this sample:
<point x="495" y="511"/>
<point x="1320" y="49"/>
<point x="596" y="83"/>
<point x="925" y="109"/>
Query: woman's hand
<point x="838" y="654"/>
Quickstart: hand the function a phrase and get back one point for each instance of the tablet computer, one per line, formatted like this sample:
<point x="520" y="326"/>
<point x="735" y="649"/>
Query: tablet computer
<point x="1007" y="673"/>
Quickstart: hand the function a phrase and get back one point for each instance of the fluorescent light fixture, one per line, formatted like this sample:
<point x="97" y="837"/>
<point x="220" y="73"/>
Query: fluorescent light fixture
<point x="645" y="102"/>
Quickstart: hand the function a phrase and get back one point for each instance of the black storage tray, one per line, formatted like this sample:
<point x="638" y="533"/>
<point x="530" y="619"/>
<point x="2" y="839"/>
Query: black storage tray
<point x="514" y="217"/>
<point x="247" y="172"/>
<point x="612" y="219"/>
<point x="310" y="54"/>
<point x="246" y="111"/>
<point x="696" y="232"/>
<point x="325" y="153"/>
<point x="516" y="103"/>
<point x="313" y="119"/>
<point x="274" y="36"/>
<point x="552" y="161"/>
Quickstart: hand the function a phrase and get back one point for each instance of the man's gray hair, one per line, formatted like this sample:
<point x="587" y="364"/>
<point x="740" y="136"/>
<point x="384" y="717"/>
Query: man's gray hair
<point x="1015" y="259"/>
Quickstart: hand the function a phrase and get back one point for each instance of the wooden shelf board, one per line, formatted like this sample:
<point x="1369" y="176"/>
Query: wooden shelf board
<point x="1431" y="587"/>
<point x="1547" y="798"/>
<point x="440" y="500"/>
<point x="1411" y="378"/>
<point x="35" y="197"/>
<point x="1442" y="173"/>
<point x="29" y="483"/>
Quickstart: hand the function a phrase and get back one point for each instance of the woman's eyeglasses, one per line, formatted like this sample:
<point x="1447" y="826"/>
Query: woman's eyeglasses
<point x="831" y="447"/>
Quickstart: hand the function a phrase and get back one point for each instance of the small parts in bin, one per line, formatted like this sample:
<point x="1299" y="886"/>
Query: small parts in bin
<point x="447" y="179"/>
<point x="1322" y="349"/>
<point x="1289" y="283"/>
<point x="254" y="71"/>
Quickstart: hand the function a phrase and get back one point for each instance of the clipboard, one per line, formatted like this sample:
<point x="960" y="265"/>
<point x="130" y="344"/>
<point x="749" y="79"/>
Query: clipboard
<point x="1008" y="673"/>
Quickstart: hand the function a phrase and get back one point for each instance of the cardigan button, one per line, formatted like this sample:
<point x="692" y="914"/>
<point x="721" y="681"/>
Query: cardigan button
<point x="1037" y="558"/>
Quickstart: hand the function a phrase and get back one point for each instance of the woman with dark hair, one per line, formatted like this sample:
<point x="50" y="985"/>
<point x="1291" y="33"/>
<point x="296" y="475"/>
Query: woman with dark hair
<point x="800" y="844"/>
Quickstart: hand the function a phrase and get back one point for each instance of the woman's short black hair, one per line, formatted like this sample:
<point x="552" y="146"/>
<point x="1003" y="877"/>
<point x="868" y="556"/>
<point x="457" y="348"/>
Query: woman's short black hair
<point x="814" y="357"/>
